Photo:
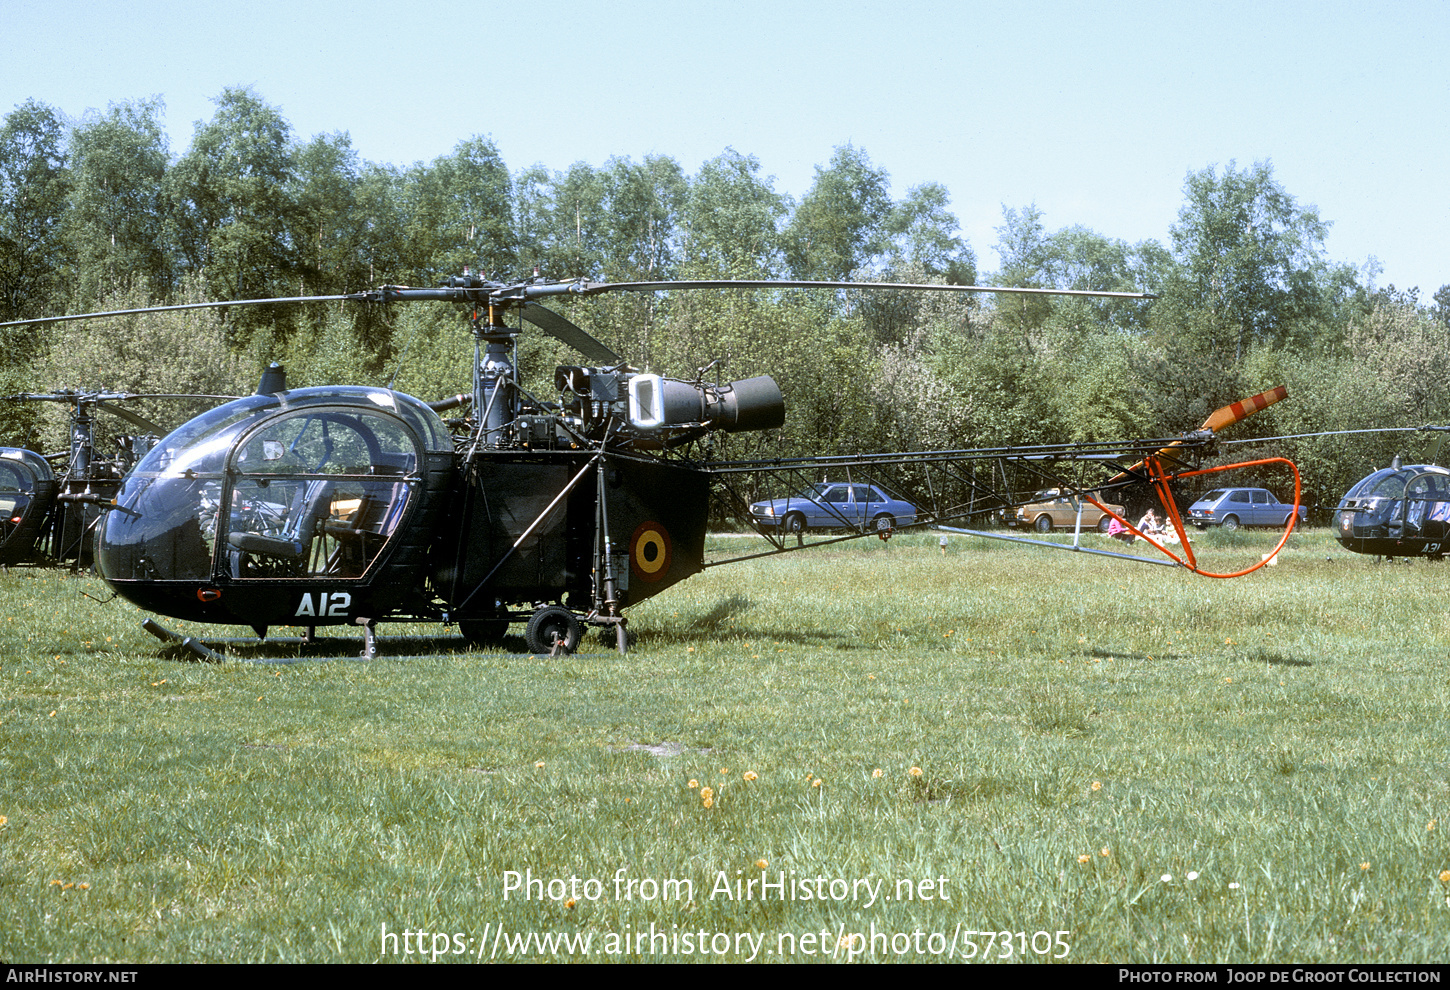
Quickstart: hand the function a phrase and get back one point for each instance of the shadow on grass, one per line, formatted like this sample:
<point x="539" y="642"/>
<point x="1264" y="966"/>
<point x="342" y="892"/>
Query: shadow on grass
<point x="292" y="649"/>
<point x="724" y="610"/>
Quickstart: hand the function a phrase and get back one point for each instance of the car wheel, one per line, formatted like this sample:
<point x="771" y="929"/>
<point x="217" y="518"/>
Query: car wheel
<point x="550" y="624"/>
<point x="885" y="521"/>
<point x="1043" y="524"/>
<point x="1287" y="521"/>
<point x="1105" y="524"/>
<point x="795" y="523"/>
<point x="1231" y="523"/>
<point x="483" y="632"/>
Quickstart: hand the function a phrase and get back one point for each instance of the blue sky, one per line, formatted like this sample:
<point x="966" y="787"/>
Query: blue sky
<point x="1096" y="112"/>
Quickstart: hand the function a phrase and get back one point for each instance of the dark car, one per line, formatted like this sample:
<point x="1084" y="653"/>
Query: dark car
<point x="1235" y="507"/>
<point x="835" y="505"/>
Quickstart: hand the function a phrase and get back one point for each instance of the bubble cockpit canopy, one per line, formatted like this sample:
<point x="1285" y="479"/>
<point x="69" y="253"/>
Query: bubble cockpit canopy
<point x="304" y="483"/>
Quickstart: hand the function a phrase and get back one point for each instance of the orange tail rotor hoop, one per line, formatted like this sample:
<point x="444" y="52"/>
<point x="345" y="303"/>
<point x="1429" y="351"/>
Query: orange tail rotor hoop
<point x="1169" y="507"/>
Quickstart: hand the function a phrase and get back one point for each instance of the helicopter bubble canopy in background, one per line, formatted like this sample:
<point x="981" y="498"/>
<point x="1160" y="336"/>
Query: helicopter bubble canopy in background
<point x="355" y="505"/>
<point x="63" y="504"/>
<point x="1398" y="511"/>
<point x="27" y="492"/>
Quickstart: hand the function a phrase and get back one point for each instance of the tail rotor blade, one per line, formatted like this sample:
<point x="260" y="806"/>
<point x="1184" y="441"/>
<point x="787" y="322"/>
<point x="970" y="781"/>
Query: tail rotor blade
<point x="1234" y="412"/>
<point x="1238" y="411"/>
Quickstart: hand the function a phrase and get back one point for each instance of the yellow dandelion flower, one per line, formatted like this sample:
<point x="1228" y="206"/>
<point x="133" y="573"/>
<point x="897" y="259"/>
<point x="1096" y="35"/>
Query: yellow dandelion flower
<point x="761" y="864"/>
<point x="85" y="886"/>
<point x="1105" y="851"/>
<point x="1364" y="866"/>
<point x="1445" y="876"/>
<point x="1084" y="858"/>
<point x="693" y="783"/>
<point x="877" y="772"/>
<point x="816" y="782"/>
<point x="570" y="903"/>
<point x="1429" y="826"/>
<point x="751" y="775"/>
<point x="706" y="793"/>
<point x="915" y="771"/>
<point x="709" y="802"/>
<point x="4" y="820"/>
<point x="1097" y="785"/>
<point x="539" y="764"/>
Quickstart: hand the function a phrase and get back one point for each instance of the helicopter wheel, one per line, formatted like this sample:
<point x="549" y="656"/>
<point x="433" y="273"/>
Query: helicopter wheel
<point x="551" y="624"/>
<point x="483" y="632"/>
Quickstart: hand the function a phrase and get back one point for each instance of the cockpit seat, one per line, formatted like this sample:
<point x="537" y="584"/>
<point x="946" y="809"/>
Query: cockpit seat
<point x="294" y="542"/>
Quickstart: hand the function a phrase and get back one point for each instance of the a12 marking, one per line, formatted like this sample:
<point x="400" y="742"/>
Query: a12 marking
<point x="330" y="605"/>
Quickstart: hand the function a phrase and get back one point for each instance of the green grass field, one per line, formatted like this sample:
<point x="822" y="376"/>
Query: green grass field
<point x="1084" y="758"/>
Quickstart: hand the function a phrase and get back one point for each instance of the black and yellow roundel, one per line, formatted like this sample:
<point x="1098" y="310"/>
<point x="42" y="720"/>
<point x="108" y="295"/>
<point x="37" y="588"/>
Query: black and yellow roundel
<point x="649" y="551"/>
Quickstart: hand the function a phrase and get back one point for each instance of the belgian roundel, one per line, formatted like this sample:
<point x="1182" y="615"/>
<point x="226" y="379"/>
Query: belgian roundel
<point x="649" y="552"/>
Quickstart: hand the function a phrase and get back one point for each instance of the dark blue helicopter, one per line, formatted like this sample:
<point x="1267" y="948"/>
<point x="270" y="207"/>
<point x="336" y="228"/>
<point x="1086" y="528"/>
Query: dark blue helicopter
<point x="27" y="492"/>
<point x="354" y="505"/>
<point x="1398" y="511"/>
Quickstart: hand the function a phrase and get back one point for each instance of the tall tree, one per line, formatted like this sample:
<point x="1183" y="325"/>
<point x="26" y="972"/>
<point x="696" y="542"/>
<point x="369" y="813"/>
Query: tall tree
<point x="34" y="184"/>
<point x="459" y="212"/>
<point x="326" y="230"/>
<point x="646" y="203"/>
<point x="732" y="220"/>
<point x="229" y="201"/>
<point x="1252" y="257"/>
<point x="114" y="226"/>
<point x="924" y="233"/>
<point x="840" y="224"/>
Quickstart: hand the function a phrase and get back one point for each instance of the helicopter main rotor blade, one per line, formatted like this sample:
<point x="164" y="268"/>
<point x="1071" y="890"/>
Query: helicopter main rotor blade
<point x="476" y="291"/>
<point x="171" y="309"/>
<point x="582" y="288"/>
<point x="561" y="329"/>
<point x="134" y="419"/>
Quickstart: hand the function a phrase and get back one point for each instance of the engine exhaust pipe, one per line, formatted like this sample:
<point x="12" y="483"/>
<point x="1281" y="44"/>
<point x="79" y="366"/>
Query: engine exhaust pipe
<point x="750" y="404"/>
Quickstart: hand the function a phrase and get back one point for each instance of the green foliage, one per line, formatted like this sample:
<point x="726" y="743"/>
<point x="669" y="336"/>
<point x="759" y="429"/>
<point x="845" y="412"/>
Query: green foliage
<point x="228" y="197"/>
<point x="99" y="212"/>
<point x="1252" y="258"/>
<point x="170" y="353"/>
<point x="115" y="219"/>
<point x="34" y="185"/>
<point x="732" y="218"/>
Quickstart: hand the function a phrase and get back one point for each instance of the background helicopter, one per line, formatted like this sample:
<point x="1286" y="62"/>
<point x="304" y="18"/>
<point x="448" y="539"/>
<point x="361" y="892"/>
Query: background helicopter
<point x="1399" y="511"/>
<point x="50" y="513"/>
<point x="350" y="504"/>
